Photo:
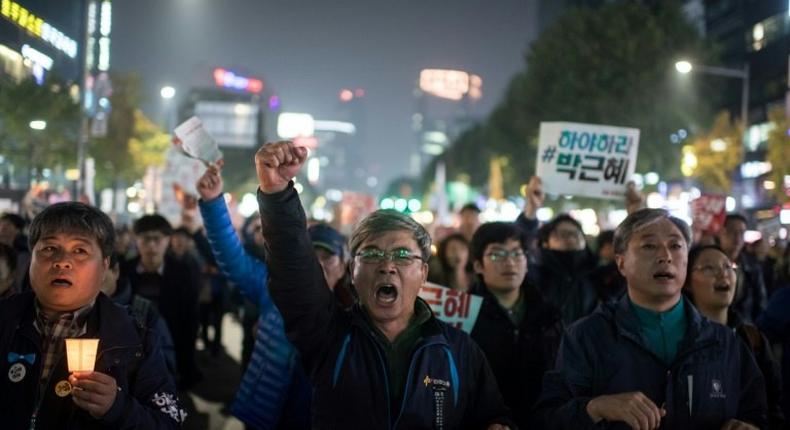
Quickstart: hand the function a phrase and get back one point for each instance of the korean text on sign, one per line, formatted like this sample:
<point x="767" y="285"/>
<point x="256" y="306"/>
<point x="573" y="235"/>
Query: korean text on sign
<point x="585" y="159"/>
<point x="458" y="309"/>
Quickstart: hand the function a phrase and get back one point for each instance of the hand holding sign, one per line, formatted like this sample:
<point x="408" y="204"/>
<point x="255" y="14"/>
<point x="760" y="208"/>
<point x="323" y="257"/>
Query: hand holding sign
<point x="209" y="185"/>
<point x="633" y="198"/>
<point x="534" y="197"/>
<point x="194" y="141"/>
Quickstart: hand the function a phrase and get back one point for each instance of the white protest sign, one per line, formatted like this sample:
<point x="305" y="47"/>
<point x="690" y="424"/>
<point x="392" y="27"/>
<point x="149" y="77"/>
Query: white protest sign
<point x="194" y="140"/>
<point x="586" y="159"/>
<point x="454" y="307"/>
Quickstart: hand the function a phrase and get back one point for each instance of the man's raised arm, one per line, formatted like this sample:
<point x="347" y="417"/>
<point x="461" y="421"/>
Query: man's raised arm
<point x="296" y="281"/>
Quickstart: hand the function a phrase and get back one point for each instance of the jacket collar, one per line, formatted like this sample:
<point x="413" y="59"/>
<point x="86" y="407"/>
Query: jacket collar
<point x="627" y="324"/>
<point x="106" y="321"/>
<point x="431" y="329"/>
<point x="539" y="312"/>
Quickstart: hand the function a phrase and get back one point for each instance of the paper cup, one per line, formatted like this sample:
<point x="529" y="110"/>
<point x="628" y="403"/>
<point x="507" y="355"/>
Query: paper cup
<point x="81" y="354"/>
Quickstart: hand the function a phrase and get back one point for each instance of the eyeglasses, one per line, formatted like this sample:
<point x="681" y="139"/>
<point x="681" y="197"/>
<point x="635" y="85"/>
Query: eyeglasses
<point x="566" y="234"/>
<point x="399" y="256"/>
<point x="151" y="238"/>
<point x="713" y="271"/>
<point x="501" y="255"/>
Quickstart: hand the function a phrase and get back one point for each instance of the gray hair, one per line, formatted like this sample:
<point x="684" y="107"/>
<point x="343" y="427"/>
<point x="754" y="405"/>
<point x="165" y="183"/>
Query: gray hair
<point x="385" y="220"/>
<point x="639" y="220"/>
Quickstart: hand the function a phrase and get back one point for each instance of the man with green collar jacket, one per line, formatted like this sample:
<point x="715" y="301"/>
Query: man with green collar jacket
<point x="388" y="363"/>
<point x="651" y="360"/>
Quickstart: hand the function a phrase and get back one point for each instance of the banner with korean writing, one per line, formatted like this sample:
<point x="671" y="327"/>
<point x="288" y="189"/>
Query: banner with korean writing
<point x="454" y="307"/>
<point x="586" y="159"/>
<point x="708" y="213"/>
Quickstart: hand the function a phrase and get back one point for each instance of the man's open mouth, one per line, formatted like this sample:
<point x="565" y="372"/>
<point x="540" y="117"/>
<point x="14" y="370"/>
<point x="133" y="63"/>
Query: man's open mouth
<point x="663" y="276"/>
<point x="60" y="282"/>
<point x="386" y="293"/>
<point x="721" y="288"/>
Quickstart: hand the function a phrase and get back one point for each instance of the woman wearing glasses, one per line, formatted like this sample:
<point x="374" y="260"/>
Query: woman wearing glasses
<point x="516" y="329"/>
<point x="710" y="284"/>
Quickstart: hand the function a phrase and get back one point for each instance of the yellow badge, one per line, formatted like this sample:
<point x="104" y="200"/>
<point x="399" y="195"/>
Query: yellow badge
<point x="63" y="388"/>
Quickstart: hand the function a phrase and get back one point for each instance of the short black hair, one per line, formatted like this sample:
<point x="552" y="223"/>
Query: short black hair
<point x="495" y="232"/>
<point x="74" y="217"/>
<point x="605" y="237"/>
<point x="469" y="207"/>
<point x="8" y="254"/>
<point x="547" y="229"/>
<point x="182" y="231"/>
<point x="736" y="217"/>
<point x="115" y="259"/>
<point x="153" y="222"/>
<point x="14" y="219"/>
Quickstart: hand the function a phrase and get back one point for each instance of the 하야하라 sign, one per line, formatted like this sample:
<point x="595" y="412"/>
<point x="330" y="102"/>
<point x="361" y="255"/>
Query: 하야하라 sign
<point x="586" y="159"/>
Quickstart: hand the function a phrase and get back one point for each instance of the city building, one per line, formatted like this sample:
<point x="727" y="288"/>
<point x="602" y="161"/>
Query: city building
<point x="445" y="107"/>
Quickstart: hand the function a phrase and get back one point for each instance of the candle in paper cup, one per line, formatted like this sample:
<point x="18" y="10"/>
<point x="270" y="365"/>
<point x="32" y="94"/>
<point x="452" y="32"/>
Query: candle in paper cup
<point x="196" y="141"/>
<point x="81" y="354"/>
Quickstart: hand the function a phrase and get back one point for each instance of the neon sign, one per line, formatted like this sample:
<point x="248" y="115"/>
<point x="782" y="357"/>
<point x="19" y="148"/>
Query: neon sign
<point x="228" y="79"/>
<point x="36" y="26"/>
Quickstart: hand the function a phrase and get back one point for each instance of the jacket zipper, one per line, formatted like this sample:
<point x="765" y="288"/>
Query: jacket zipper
<point x="408" y="379"/>
<point x="386" y="379"/>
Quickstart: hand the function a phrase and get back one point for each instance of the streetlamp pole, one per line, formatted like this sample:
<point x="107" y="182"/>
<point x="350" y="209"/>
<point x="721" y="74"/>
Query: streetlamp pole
<point x="742" y="74"/>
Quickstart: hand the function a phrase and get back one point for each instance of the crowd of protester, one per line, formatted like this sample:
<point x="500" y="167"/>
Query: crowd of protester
<point x="649" y="325"/>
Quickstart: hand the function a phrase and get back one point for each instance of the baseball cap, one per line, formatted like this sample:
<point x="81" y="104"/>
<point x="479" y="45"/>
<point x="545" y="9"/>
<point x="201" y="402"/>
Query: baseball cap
<point x="326" y="237"/>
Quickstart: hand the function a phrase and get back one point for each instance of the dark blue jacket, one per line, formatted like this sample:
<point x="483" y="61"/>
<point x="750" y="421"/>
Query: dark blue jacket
<point x="147" y="397"/>
<point x="775" y="323"/>
<point x="564" y="278"/>
<point x="449" y="384"/>
<point x="751" y="296"/>
<point x="274" y="391"/>
<point x="712" y="379"/>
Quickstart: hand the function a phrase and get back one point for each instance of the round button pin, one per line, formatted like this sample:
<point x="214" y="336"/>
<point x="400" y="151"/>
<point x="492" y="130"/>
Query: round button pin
<point x="17" y="372"/>
<point x="63" y="388"/>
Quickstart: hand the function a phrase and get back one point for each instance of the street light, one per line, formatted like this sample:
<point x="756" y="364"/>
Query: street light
<point x="167" y="92"/>
<point x="742" y="74"/>
<point x="38" y="124"/>
<point x="683" y="66"/>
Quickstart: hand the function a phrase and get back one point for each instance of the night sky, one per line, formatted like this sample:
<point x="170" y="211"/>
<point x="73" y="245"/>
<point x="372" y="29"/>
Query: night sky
<point x="307" y="51"/>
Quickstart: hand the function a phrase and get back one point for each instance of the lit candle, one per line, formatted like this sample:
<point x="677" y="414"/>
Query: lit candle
<point x="81" y="354"/>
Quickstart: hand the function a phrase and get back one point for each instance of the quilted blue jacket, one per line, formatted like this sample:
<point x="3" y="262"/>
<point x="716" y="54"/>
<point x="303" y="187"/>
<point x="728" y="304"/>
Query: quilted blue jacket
<point x="274" y="391"/>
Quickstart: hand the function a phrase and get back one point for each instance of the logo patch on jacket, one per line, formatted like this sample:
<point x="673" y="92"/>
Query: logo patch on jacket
<point x="436" y="383"/>
<point x="717" y="390"/>
<point x="439" y="387"/>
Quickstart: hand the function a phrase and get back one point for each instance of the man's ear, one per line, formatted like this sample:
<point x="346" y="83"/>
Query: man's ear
<point x="478" y="267"/>
<point x="106" y="263"/>
<point x="619" y="260"/>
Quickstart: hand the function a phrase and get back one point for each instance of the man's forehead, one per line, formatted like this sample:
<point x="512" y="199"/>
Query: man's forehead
<point x="509" y="243"/>
<point x="660" y="227"/>
<point x="75" y="236"/>
<point x="390" y="238"/>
